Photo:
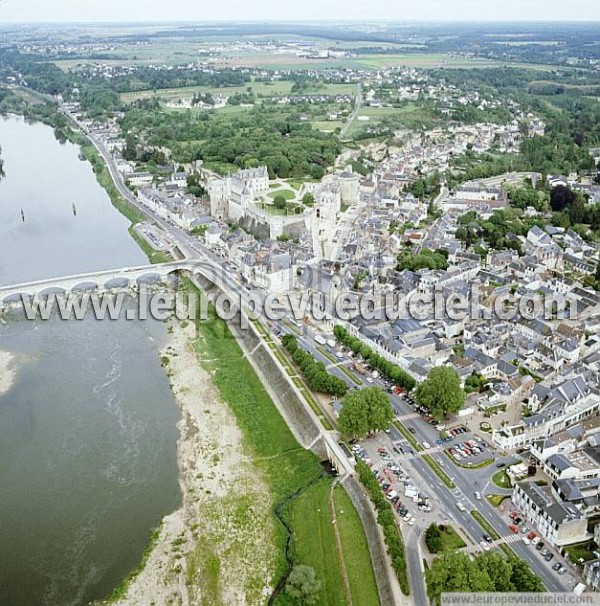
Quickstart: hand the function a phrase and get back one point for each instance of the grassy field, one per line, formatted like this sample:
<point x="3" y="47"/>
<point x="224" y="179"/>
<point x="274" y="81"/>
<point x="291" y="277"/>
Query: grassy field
<point x="450" y="538"/>
<point x="369" y="61"/>
<point x="314" y="536"/>
<point x="409" y="115"/>
<point x="288" y="467"/>
<point x="260" y="89"/>
<point x="358" y="567"/>
<point x="288" y="194"/>
<point x="327" y="126"/>
<point x="501" y="479"/>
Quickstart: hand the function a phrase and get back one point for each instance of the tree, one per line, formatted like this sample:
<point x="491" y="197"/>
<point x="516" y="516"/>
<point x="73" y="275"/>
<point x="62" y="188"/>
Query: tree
<point x="441" y="392"/>
<point x="433" y="538"/>
<point x="308" y="199"/>
<point x="456" y="572"/>
<point x="303" y="586"/>
<point x="561" y="198"/>
<point x="280" y="202"/>
<point x="499" y="569"/>
<point x="522" y="577"/>
<point x="365" y="411"/>
<point x="419" y="189"/>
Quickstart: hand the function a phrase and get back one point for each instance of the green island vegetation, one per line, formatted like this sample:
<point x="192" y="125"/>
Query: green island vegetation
<point x="439" y="472"/>
<point x="497" y="499"/>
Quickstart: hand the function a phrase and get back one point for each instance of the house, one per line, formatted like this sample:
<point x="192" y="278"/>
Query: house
<point x="570" y="402"/>
<point x="558" y="522"/>
<point x="591" y="573"/>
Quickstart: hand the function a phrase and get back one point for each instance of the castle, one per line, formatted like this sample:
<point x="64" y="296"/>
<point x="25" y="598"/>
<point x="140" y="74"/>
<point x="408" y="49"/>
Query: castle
<point x="233" y="199"/>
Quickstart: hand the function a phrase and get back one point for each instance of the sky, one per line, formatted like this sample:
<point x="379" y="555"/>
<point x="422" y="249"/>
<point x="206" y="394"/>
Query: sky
<point x="277" y="10"/>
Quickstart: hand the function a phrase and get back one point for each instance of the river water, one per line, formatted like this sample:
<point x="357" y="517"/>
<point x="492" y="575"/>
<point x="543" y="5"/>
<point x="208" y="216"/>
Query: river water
<point x="88" y="430"/>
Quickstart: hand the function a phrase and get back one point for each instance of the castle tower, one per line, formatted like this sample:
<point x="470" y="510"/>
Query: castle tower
<point x="218" y="191"/>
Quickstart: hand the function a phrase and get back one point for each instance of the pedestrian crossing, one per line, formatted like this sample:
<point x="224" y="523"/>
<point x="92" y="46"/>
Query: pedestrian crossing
<point x="509" y="539"/>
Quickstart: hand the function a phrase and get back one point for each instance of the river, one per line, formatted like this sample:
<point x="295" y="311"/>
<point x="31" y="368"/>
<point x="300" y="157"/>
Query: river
<point x="88" y="430"/>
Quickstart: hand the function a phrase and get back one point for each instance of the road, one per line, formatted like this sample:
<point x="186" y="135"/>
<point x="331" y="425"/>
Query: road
<point x="444" y="498"/>
<point x="357" y="105"/>
<point x="181" y="238"/>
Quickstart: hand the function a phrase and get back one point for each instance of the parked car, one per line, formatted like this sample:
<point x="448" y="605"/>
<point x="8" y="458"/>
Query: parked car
<point x="549" y="557"/>
<point x="540" y="546"/>
<point x="461" y="507"/>
<point x="478" y="496"/>
<point x="487" y="538"/>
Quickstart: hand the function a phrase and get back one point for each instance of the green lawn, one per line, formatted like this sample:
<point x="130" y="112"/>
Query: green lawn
<point x="581" y="551"/>
<point x="450" y="538"/>
<point x="496" y="499"/>
<point x="314" y="536"/>
<point x="501" y="479"/>
<point x="288" y="194"/>
<point x="356" y="551"/>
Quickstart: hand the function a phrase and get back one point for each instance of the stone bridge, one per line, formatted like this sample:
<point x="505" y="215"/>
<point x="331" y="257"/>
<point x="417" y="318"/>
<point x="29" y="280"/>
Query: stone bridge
<point x="203" y="273"/>
<point x="116" y="278"/>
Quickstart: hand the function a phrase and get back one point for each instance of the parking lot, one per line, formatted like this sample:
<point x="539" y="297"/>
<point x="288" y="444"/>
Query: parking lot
<point x="408" y="500"/>
<point x="470" y="452"/>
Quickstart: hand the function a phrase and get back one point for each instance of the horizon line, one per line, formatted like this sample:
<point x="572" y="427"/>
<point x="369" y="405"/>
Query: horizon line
<point x="299" y="20"/>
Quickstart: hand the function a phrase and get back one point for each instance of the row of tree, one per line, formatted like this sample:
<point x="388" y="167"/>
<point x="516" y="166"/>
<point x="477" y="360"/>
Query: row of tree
<point x="387" y="521"/>
<point x="314" y="372"/>
<point x="492" y="571"/>
<point x="388" y="369"/>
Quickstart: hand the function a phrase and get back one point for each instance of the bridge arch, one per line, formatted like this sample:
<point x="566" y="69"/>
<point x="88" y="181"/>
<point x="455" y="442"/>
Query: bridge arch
<point x="52" y="290"/>
<point x="85" y="287"/>
<point x="119" y="282"/>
